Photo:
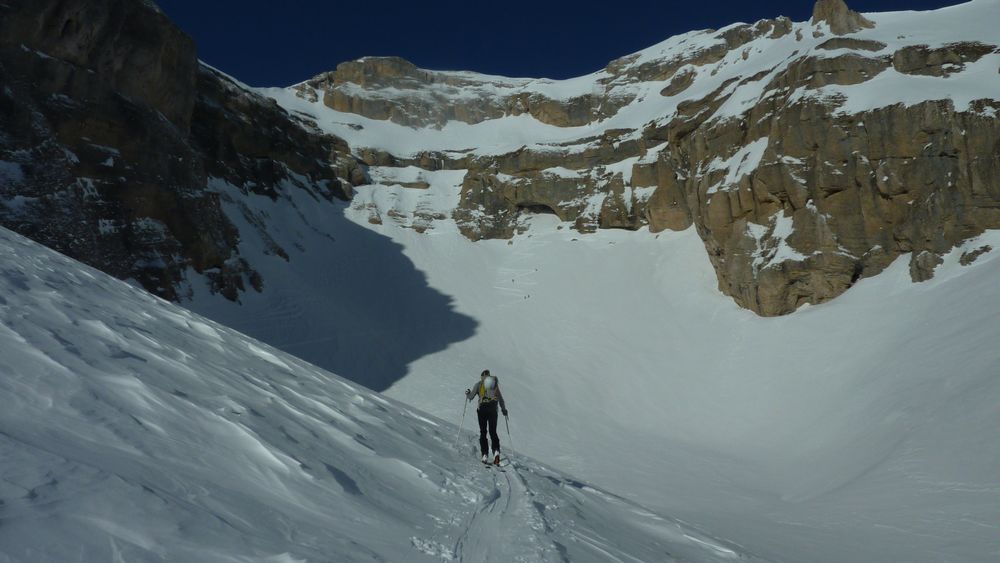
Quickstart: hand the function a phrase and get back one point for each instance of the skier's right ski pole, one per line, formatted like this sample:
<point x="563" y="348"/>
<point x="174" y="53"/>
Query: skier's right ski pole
<point x="509" y="439"/>
<point x="459" y="436"/>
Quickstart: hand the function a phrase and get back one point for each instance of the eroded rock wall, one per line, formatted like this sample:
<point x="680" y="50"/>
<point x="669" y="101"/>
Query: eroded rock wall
<point x="110" y="131"/>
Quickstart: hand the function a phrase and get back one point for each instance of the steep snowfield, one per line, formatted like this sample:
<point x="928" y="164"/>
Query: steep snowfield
<point x="134" y="430"/>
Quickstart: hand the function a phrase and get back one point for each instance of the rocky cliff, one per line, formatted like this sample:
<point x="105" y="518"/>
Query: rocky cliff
<point x="807" y="155"/>
<point x="111" y="132"/>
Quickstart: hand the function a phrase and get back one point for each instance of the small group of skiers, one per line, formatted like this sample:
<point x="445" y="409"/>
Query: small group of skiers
<point x="487" y="390"/>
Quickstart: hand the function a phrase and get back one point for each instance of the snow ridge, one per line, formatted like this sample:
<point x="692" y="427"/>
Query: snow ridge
<point x="765" y="56"/>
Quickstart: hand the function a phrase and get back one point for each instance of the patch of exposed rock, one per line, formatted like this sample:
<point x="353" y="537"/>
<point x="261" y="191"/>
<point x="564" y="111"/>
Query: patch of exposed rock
<point x="942" y="62"/>
<point x="852" y="43"/>
<point x="970" y="257"/>
<point x="391" y="88"/>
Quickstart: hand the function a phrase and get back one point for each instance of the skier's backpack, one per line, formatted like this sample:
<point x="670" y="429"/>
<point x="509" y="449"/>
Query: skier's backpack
<point x="488" y="389"/>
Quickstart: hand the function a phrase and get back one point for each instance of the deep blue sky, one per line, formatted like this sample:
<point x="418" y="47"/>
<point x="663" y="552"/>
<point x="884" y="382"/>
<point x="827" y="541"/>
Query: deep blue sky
<point x="275" y="43"/>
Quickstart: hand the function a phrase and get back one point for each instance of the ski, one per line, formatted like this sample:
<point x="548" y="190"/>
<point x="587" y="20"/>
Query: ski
<point x="504" y="463"/>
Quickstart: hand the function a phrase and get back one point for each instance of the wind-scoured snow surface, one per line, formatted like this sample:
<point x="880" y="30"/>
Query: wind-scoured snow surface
<point x="134" y="430"/>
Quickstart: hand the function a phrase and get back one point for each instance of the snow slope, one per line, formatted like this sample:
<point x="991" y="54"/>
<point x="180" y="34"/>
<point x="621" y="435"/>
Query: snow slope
<point x="134" y="430"/>
<point x="858" y="430"/>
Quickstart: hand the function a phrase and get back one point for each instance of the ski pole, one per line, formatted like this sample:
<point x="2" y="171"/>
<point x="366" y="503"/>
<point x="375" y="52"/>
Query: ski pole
<point x="459" y="436"/>
<point x="509" y="439"/>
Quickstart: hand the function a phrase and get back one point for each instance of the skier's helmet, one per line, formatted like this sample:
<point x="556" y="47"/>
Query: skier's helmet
<point x="486" y="373"/>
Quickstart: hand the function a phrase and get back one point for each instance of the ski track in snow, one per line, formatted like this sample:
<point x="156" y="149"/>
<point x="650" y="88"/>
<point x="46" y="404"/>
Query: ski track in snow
<point x="515" y="283"/>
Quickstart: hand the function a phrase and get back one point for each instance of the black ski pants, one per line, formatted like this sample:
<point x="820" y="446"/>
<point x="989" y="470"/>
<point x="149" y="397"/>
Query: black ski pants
<point x="487" y="413"/>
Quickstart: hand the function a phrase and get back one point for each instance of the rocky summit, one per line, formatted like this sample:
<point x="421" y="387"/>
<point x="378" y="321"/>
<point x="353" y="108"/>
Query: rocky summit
<point x="807" y="155"/>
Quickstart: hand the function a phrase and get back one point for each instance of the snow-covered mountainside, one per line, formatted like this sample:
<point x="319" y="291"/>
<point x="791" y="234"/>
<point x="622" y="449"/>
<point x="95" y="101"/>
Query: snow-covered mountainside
<point x="134" y="430"/>
<point x="807" y="155"/>
<point x="572" y="236"/>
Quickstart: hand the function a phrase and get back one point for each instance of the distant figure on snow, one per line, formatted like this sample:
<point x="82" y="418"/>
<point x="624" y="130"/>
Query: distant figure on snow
<point x="487" y="389"/>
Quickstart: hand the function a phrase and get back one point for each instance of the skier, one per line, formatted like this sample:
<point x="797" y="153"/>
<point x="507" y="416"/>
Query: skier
<point x="488" y="391"/>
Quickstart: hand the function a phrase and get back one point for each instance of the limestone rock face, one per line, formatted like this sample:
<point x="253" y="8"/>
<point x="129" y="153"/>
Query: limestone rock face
<point x="852" y="43"/>
<point x="111" y="134"/>
<point x="841" y="19"/>
<point x="131" y="46"/>
<point x="228" y="126"/>
<point x="942" y="62"/>
<point x="836" y="199"/>
<point x="391" y="88"/>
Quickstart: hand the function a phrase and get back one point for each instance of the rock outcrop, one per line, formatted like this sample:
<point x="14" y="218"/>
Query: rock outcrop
<point x="391" y="88"/>
<point x="841" y="19"/>
<point x="942" y="61"/>
<point x="112" y="130"/>
<point x="835" y="199"/>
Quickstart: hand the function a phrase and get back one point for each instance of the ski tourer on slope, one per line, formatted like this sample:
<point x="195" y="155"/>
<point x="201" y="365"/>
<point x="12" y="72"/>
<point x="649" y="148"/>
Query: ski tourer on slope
<point x="487" y="390"/>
